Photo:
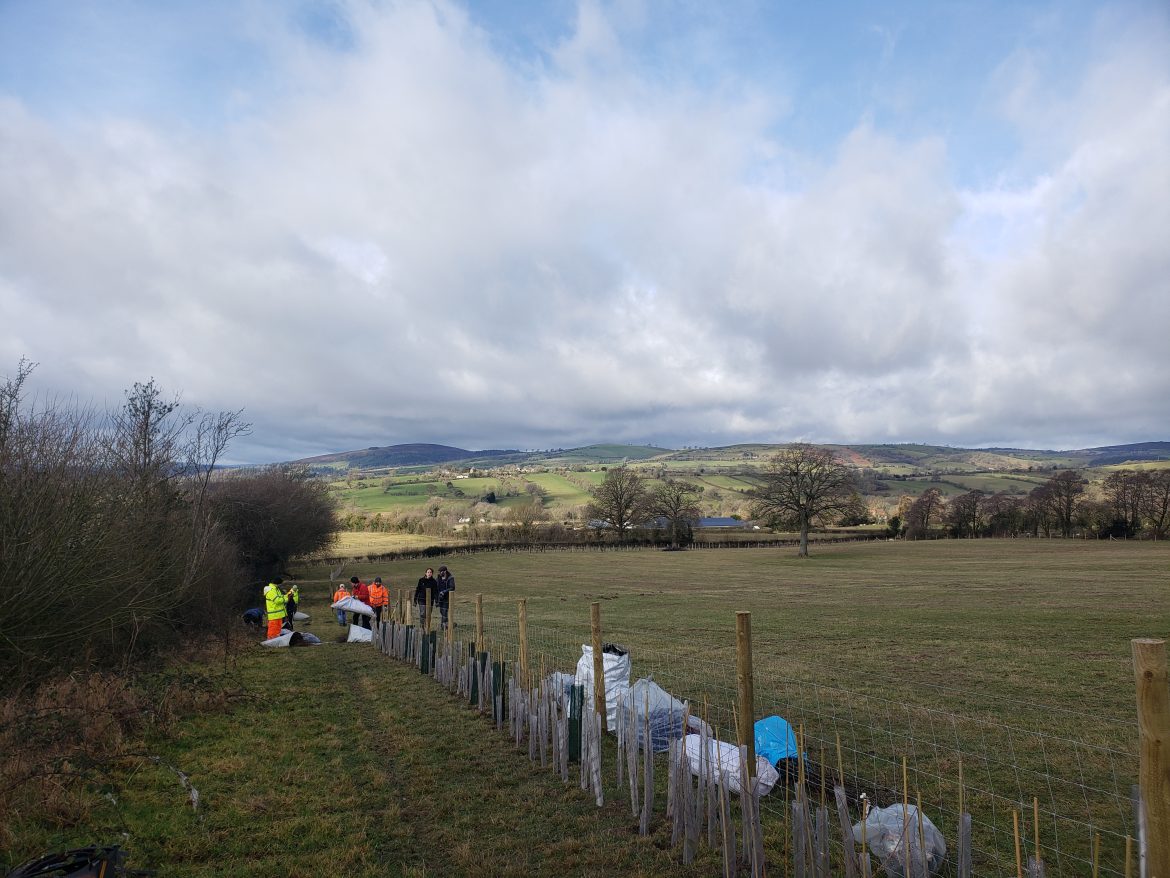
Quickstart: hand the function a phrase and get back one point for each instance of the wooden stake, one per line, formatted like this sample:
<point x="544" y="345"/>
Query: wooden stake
<point x="906" y="822"/>
<point x="840" y="764"/>
<point x="523" y="608"/>
<point x="1128" y="857"/>
<point x="1036" y="827"/>
<point x="479" y="644"/>
<point x="1153" y="704"/>
<point x="1016" y="835"/>
<point x="745" y="684"/>
<point x="598" y="665"/>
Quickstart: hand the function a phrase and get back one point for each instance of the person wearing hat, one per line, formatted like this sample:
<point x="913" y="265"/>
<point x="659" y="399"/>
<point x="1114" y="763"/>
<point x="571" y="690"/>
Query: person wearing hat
<point x="379" y="597"/>
<point x="446" y="586"/>
<point x="341" y="594"/>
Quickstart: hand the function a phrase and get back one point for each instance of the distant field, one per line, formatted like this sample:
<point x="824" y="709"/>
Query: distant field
<point x="349" y="543"/>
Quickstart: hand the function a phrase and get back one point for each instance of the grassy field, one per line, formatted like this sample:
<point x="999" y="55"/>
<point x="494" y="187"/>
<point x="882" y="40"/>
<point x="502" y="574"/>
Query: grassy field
<point x="353" y="544"/>
<point x="1010" y="655"/>
<point x="334" y="761"/>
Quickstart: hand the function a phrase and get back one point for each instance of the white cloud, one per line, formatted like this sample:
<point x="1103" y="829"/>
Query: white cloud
<point x="421" y="240"/>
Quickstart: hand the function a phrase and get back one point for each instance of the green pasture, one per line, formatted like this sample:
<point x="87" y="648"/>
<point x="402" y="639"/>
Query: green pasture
<point x="993" y="483"/>
<point x="1010" y="655"/>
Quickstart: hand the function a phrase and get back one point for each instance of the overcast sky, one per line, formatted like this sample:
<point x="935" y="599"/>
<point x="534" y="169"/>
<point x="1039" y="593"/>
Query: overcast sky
<point x="547" y="224"/>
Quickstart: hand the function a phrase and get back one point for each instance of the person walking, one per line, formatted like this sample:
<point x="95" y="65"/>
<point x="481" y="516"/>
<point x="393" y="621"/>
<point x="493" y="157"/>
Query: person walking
<point x="379" y="598"/>
<point x="426" y="585"/>
<point x="341" y="594"/>
<point x="446" y="586"/>
<point x="361" y="591"/>
<point x="274" y="607"/>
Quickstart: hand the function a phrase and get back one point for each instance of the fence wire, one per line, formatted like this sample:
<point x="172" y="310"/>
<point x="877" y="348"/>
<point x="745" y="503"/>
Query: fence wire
<point x="1065" y="777"/>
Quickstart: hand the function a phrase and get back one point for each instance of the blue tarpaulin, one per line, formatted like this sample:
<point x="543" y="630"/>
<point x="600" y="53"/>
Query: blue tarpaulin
<point x="775" y="739"/>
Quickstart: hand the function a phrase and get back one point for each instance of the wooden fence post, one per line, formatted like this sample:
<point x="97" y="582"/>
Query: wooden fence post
<point x="743" y="678"/>
<point x="1153" y="704"/>
<point x="523" y="608"/>
<point x="479" y="624"/>
<point x="599" y="665"/>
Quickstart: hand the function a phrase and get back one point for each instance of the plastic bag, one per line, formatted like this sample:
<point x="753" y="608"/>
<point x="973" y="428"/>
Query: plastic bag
<point x="353" y="605"/>
<point x="287" y="638"/>
<point x="724" y="757"/>
<point x="562" y="683"/>
<point x="358" y="634"/>
<point x="775" y="740"/>
<point x="646" y="698"/>
<point x="298" y="616"/>
<point x="615" y="669"/>
<point x="884" y="828"/>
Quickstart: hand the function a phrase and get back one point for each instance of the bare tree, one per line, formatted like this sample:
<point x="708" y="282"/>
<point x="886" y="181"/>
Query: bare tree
<point x="803" y="486"/>
<point x="619" y="501"/>
<point x="1065" y="490"/>
<point x="1158" y="502"/>
<point x="923" y="510"/>
<point x="677" y="502"/>
<point x="965" y="514"/>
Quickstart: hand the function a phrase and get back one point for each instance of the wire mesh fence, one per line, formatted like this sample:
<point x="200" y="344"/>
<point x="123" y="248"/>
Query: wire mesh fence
<point x="1050" y="789"/>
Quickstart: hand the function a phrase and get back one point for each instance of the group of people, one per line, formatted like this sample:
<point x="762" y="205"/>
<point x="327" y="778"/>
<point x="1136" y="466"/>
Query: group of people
<point x="280" y="605"/>
<point x="430" y="590"/>
<point x="375" y="595"/>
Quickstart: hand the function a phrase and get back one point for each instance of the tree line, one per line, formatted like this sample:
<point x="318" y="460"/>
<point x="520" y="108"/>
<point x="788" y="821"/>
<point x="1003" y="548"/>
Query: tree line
<point x="1131" y="503"/>
<point x="120" y="531"/>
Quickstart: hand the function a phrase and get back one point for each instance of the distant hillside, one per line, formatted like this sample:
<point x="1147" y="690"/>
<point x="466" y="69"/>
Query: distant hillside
<point x="891" y="459"/>
<point x="1114" y="454"/>
<point x="419" y="454"/>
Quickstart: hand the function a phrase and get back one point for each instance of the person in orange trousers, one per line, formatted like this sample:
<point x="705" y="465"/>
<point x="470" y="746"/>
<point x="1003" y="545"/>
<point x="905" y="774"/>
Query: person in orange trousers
<point x="274" y="606"/>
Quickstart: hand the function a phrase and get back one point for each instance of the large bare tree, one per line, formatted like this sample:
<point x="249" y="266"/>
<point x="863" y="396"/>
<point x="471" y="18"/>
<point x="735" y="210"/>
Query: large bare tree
<point x="803" y="486"/>
<point x="619" y="501"/>
<point x="678" y="503"/>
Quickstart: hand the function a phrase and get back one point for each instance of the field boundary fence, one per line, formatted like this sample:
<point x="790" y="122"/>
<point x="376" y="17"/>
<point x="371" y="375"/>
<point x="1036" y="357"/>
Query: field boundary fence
<point x="1013" y="787"/>
<point x="631" y="546"/>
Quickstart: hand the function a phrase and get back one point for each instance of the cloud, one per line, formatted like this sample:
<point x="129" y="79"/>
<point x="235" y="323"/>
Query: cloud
<point x="417" y="237"/>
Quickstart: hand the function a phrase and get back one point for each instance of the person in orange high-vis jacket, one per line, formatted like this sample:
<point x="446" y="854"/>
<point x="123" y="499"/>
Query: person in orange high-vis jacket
<point x="274" y="607"/>
<point x="379" y="597"/>
<point x="341" y="594"/>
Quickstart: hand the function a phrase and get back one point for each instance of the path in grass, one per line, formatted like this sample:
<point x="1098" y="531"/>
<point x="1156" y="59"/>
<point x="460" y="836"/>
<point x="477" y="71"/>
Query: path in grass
<point x="347" y="763"/>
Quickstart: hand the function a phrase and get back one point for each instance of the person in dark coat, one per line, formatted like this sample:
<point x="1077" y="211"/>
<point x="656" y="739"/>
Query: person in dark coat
<point x="426" y="585"/>
<point x="446" y="586"/>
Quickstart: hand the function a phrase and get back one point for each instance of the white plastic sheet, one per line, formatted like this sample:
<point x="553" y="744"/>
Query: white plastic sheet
<point x="616" y="671"/>
<point x="358" y="634"/>
<point x="884" y="832"/>
<point x="645" y="698"/>
<point x="353" y="605"/>
<point x="724" y="757"/>
<point x="283" y="639"/>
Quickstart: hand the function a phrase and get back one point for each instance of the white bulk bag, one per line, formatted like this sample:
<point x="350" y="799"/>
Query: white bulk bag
<point x="283" y="639"/>
<point x="358" y="634"/>
<point x="616" y="671"/>
<point x="298" y="616"/>
<point x="724" y="757"/>
<point x="353" y="605"/>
